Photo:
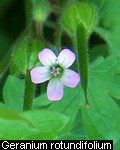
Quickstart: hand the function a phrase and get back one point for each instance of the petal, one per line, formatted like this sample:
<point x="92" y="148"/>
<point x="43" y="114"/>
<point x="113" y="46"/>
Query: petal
<point x="70" y="78"/>
<point x="55" y="89"/>
<point x="66" y="58"/>
<point x="47" y="57"/>
<point x="40" y="74"/>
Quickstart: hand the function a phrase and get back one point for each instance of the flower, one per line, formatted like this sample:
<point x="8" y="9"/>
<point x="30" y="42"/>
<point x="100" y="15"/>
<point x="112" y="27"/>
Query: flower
<point x="56" y="70"/>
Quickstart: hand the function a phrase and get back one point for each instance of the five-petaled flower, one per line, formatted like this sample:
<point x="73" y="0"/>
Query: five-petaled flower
<point x="56" y="70"/>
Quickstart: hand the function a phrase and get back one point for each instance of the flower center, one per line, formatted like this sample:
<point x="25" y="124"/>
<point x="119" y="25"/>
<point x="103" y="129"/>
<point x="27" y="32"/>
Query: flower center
<point x="56" y="71"/>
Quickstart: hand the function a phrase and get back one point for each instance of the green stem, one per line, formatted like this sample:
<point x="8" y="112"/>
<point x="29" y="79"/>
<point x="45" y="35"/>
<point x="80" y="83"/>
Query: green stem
<point x="28" y="11"/>
<point x="29" y="93"/>
<point x="83" y="58"/>
<point x="58" y="39"/>
<point x="5" y="63"/>
<point x="38" y="29"/>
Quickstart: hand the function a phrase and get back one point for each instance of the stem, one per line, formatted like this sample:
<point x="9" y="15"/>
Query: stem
<point x="83" y="58"/>
<point x="58" y="38"/>
<point x="38" y="29"/>
<point x="28" y="10"/>
<point x="4" y="64"/>
<point x="29" y="93"/>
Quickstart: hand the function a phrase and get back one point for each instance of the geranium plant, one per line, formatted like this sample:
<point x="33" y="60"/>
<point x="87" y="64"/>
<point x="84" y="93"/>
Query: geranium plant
<point x="60" y="70"/>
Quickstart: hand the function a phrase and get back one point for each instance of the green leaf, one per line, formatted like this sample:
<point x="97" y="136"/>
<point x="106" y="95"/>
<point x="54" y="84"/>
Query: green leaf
<point x="109" y="24"/>
<point x="31" y="125"/>
<point x="102" y="119"/>
<point x="13" y="125"/>
<point x="13" y="93"/>
<point x="48" y="123"/>
<point x="69" y="105"/>
<point x="97" y="51"/>
<point x="117" y="100"/>
<point x="99" y="4"/>
<point x="77" y="131"/>
<point x="37" y="46"/>
<point x="78" y="126"/>
<point x="12" y="115"/>
<point x="41" y="101"/>
<point x="21" y="55"/>
<point x="25" y="55"/>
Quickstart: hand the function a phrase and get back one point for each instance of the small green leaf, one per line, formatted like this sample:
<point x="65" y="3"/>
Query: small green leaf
<point x="108" y="26"/>
<point x="25" y="55"/>
<point x="13" y="93"/>
<point x="21" y="55"/>
<point x="37" y="46"/>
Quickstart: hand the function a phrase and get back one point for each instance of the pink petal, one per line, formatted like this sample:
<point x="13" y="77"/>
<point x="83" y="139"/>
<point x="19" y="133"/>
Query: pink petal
<point x="55" y="89"/>
<point x="40" y="74"/>
<point x="70" y="78"/>
<point x="66" y="58"/>
<point x="47" y="57"/>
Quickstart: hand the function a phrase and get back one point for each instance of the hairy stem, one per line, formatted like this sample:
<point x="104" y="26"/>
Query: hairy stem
<point x="83" y="58"/>
<point x="38" y="29"/>
<point x="58" y="39"/>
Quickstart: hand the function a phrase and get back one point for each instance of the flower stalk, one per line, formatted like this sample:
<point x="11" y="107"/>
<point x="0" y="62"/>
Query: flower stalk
<point x="58" y="38"/>
<point x="81" y="37"/>
<point x="38" y="30"/>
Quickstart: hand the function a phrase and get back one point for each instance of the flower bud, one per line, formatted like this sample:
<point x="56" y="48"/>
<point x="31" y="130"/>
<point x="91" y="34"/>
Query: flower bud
<point x="41" y="10"/>
<point x="79" y="13"/>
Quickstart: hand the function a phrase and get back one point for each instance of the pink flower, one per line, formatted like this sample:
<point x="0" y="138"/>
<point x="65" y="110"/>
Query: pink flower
<point x="56" y="70"/>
